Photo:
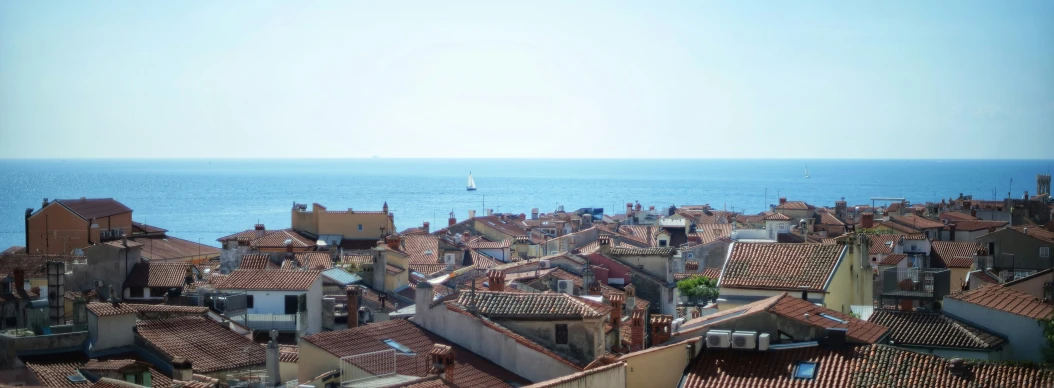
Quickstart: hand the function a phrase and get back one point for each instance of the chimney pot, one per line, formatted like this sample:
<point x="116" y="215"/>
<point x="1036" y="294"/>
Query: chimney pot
<point x="425" y="226"/>
<point x="783" y="200"/>
<point x="352" y="305"/>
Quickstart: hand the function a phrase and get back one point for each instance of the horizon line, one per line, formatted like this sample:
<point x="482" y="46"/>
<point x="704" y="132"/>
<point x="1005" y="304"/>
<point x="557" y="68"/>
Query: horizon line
<point x="497" y="158"/>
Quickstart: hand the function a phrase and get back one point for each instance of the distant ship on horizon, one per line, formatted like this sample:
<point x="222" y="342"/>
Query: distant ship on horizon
<point x="471" y="183"/>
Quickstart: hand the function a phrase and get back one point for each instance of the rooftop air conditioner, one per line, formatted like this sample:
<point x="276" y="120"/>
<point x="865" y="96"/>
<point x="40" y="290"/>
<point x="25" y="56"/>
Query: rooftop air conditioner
<point x="763" y="341"/>
<point x="565" y="286"/>
<point x="744" y="339"/>
<point x="544" y="264"/>
<point x="718" y="339"/>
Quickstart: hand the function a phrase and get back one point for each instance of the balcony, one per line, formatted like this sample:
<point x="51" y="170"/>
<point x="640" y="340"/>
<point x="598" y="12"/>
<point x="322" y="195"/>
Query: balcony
<point x="922" y="286"/>
<point x="267" y="322"/>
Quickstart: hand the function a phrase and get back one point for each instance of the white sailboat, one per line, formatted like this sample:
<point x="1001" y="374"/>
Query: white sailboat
<point x="806" y="172"/>
<point x="471" y="183"/>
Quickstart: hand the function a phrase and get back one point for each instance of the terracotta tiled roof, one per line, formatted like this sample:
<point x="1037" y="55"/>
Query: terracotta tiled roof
<point x="314" y="260"/>
<point x="422" y="249"/>
<point x="277" y="279"/>
<point x="960" y="262"/>
<point x="36" y="266"/>
<point x="13" y="250"/>
<point x="972" y="226"/>
<point x="956" y="216"/>
<point x="709" y="233"/>
<point x="712" y="273"/>
<point x="795" y="205"/>
<point x="107" y="365"/>
<point x="1036" y="232"/>
<point x="893" y="259"/>
<point x="257" y="261"/>
<point x="655" y="251"/>
<point x="1007" y="300"/>
<point x="163" y="275"/>
<point x="983" y="276"/>
<point x="209" y="345"/>
<point x="88" y="208"/>
<point x="865" y="366"/>
<point x="508" y="304"/>
<point x="511" y="229"/>
<point x="470" y="369"/>
<point x="54" y="374"/>
<point x="271" y="238"/>
<point x="107" y="382"/>
<point x="777" y="217"/>
<point x="780" y="266"/>
<point x="106" y="309"/>
<point x="827" y="218"/>
<point x="170" y="248"/>
<point x="909" y="328"/>
<point x="170" y="308"/>
<point x="883" y="244"/>
<point x="141" y="228"/>
<point x="945" y="252"/>
<point x="809" y="313"/>
<point x="916" y="222"/>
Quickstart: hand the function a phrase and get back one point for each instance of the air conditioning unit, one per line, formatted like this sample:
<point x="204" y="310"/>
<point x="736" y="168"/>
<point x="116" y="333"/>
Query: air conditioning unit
<point x="718" y="339"/>
<point x="763" y="341"/>
<point x="545" y="264"/>
<point x="448" y="259"/>
<point x="97" y="283"/>
<point x="565" y="286"/>
<point x="744" y="339"/>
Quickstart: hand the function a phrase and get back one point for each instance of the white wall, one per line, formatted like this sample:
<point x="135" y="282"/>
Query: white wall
<point x="1023" y="333"/>
<point x="493" y="345"/>
<point x="109" y="332"/>
<point x="273" y="302"/>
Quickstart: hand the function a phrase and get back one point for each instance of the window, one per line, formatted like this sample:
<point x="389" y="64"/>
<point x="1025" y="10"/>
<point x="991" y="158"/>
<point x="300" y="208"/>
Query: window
<point x="291" y="304"/>
<point x="1044" y="252"/>
<point x="991" y="248"/>
<point x="1048" y="291"/>
<point x="129" y="377"/>
<point x="136" y="292"/>
<point x="691" y="255"/>
<point x="398" y="346"/>
<point x="561" y="334"/>
<point x="805" y="370"/>
<point x="360" y="227"/>
<point x="158" y="292"/>
<point x="662" y="243"/>
<point x="248" y="301"/>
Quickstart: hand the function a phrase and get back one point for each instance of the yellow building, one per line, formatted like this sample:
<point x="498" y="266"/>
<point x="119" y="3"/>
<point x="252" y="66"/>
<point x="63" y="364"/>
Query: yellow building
<point x="350" y="225"/>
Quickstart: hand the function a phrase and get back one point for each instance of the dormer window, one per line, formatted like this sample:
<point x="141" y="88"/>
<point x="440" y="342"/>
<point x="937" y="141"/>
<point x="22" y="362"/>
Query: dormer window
<point x="805" y="370"/>
<point x="5" y="287"/>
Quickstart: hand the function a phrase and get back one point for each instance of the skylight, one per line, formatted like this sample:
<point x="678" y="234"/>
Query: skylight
<point x="398" y="346"/>
<point x="832" y="318"/>
<point x="805" y="370"/>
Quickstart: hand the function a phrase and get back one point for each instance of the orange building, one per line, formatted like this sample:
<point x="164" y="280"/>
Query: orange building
<point x="62" y="225"/>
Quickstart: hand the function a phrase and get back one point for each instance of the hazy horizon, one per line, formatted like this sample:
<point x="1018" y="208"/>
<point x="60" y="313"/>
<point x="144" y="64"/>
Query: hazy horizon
<point x="897" y="80"/>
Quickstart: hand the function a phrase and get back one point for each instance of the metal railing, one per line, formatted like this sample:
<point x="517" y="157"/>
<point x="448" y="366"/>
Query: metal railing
<point x="280" y="322"/>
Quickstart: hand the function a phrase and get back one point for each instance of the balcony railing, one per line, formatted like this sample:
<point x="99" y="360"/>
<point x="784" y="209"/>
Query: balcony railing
<point x="280" y="322"/>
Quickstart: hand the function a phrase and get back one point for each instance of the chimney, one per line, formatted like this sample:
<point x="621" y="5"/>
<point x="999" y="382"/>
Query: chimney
<point x="471" y="214"/>
<point x="423" y="296"/>
<point x="442" y="361"/>
<point x="44" y="204"/>
<point x="490" y="212"/>
<point x="958" y="367"/>
<point x="259" y="228"/>
<point x="617" y="301"/>
<point x="637" y="330"/>
<point x="425" y="226"/>
<point x="383" y="208"/>
<point x="20" y="280"/>
<point x="973" y="212"/>
<point x="631" y="296"/>
<point x="352" y="305"/>
<point x="661" y="329"/>
<point x="496" y="280"/>
<point x="637" y="208"/>
<point x="951" y="232"/>
<point x="274" y="377"/>
<point x="534" y="213"/>
<point x="783" y="200"/>
<point x="629" y="208"/>
<point x="452" y="220"/>
<point x="605" y="245"/>
<point x="182" y="369"/>
<point x="867" y="220"/>
<point x="393" y="241"/>
<point x="589" y="282"/>
<point x="465" y="236"/>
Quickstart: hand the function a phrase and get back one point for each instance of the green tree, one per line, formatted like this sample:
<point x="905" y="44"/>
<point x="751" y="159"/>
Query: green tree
<point x="698" y="287"/>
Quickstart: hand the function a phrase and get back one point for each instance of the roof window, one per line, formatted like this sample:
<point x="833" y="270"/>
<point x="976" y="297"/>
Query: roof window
<point x="831" y="317"/>
<point x="398" y="346"/>
<point x="805" y="370"/>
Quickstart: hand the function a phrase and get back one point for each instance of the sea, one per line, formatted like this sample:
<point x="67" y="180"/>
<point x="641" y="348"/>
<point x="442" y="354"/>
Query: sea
<point x="202" y="200"/>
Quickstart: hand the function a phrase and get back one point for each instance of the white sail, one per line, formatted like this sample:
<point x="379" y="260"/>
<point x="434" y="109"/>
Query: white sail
<point x="806" y="170"/>
<point x="471" y="182"/>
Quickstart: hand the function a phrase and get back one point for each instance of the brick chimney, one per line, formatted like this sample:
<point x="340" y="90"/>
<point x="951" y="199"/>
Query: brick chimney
<point x="617" y="301"/>
<point x="20" y="280"/>
<point x="637" y="208"/>
<point x="783" y="200"/>
<point x="393" y="241"/>
<point x="452" y="220"/>
<point x="497" y="280"/>
<point x="425" y="226"/>
<point x="661" y="328"/>
<point x="631" y="296"/>
<point x="605" y="244"/>
<point x="867" y="220"/>
<point x="637" y="330"/>
<point x="442" y="361"/>
<point x="352" y="305"/>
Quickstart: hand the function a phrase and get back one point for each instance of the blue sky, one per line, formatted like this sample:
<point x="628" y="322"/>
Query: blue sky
<point x="208" y="79"/>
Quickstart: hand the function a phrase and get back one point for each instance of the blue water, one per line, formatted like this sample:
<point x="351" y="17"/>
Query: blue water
<point x="201" y="199"/>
